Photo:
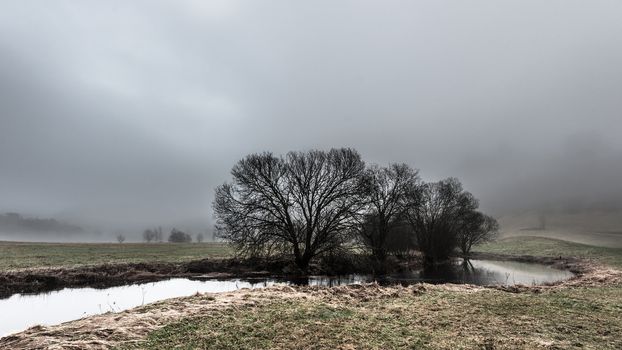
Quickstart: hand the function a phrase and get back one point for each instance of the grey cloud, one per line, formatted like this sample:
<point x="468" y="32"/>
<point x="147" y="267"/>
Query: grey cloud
<point x="130" y="113"/>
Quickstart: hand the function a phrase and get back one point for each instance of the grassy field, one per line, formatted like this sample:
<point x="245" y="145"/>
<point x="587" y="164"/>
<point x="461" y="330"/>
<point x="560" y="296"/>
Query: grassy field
<point x="588" y="318"/>
<point x="538" y="246"/>
<point x="17" y="255"/>
<point x="574" y="316"/>
<point x="566" y="318"/>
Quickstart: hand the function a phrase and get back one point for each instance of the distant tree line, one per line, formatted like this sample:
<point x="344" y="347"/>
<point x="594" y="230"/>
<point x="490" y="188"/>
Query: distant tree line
<point x="307" y="204"/>
<point x="152" y="235"/>
<point x="18" y="223"/>
<point x="175" y="236"/>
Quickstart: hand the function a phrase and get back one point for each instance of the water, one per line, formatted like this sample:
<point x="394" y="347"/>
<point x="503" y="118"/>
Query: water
<point x="19" y="312"/>
<point x="484" y="272"/>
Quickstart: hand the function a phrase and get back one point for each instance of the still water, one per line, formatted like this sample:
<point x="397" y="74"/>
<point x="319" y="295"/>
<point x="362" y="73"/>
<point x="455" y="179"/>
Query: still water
<point x="19" y="312"/>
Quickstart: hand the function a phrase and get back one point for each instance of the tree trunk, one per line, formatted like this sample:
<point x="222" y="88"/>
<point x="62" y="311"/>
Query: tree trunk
<point x="303" y="262"/>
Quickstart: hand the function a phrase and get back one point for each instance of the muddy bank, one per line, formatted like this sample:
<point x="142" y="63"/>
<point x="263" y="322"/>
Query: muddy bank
<point x="40" y="280"/>
<point x="30" y="281"/>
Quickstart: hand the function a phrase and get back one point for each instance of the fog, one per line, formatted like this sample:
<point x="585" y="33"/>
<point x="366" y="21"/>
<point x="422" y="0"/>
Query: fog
<point x="126" y="115"/>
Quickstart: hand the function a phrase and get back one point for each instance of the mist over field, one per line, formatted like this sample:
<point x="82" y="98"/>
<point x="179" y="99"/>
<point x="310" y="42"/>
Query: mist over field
<point x="119" y="116"/>
<point x="328" y="174"/>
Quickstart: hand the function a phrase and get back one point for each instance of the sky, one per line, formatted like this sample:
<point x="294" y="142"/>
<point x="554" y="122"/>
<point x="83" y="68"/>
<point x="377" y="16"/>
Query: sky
<point x="130" y="113"/>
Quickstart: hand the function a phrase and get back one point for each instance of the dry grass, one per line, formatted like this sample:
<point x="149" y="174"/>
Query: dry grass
<point x="434" y="319"/>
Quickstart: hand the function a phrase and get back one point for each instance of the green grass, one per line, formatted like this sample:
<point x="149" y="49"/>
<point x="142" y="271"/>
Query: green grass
<point x="16" y="255"/>
<point x="538" y="246"/>
<point x="588" y="318"/>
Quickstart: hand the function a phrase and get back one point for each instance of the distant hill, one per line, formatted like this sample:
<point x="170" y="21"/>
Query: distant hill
<point x="14" y="222"/>
<point x="602" y="228"/>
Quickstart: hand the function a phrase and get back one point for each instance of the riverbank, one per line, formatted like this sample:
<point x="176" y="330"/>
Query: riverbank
<point x="38" y="280"/>
<point x="551" y="248"/>
<point x="584" y="312"/>
<point x="27" y="267"/>
<point x="146" y="265"/>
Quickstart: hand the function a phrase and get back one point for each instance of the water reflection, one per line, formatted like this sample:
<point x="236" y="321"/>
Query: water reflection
<point x="481" y="272"/>
<point x="22" y="311"/>
<point x="327" y="281"/>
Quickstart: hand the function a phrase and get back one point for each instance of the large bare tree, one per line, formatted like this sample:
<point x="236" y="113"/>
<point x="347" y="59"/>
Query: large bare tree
<point x="303" y="204"/>
<point x="387" y="194"/>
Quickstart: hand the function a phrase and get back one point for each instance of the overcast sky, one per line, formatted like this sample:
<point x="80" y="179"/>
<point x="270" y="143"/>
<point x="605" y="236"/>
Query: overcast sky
<point x="131" y="112"/>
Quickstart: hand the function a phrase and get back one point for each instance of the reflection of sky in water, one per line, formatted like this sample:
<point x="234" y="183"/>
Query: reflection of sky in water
<point x="482" y="272"/>
<point x="512" y="272"/>
<point x="21" y="311"/>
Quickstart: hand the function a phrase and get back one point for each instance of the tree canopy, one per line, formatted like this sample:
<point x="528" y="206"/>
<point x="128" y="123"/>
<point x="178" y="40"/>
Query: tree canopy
<point x="303" y="204"/>
<point x="388" y="196"/>
<point x="437" y="212"/>
<point x="306" y="204"/>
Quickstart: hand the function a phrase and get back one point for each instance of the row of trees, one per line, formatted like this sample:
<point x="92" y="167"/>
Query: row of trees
<point x="307" y="204"/>
<point x="15" y="222"/>
<point x="152" y="235"/>
<point x="176" y="236"/>
<point x="155" y="235"/>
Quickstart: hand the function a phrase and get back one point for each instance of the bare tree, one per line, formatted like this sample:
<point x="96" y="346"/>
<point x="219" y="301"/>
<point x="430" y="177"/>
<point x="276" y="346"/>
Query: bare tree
<point x="199" y="238"/>
<point x="120" y="238"/>
<point x="437" y="215"/>
<point x="302" y="205"/>
<point x="476" y="228"/>
<point x="386" y="193"/>
<point x="149" y="235"/>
